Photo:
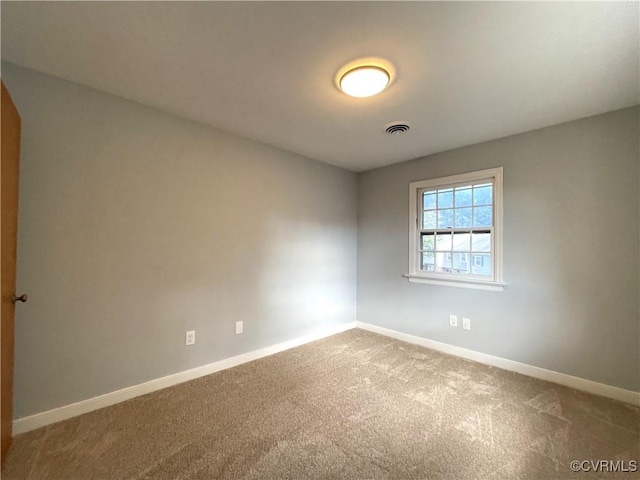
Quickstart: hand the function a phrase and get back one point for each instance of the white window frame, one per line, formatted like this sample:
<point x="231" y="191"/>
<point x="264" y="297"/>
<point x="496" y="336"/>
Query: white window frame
<point x="416" y="275"/>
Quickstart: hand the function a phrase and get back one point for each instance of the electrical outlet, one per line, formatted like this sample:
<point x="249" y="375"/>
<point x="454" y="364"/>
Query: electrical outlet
<point x="466" y="323"/>
<point x="190" y="337"/>
<point x="239" y="328"/>
<point x="453" y="321"/>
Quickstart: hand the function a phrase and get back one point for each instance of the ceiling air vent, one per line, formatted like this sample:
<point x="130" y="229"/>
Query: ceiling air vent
<point x="396" y="128"/>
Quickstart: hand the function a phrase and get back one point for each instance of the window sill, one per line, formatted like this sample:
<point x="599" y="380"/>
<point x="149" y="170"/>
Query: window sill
<point x="460" y="283"/>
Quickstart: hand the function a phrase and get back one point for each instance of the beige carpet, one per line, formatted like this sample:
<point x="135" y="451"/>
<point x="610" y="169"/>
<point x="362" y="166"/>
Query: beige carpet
<point x="353" y="406"/>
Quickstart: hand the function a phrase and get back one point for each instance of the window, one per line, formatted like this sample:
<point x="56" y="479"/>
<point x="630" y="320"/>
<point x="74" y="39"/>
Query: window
<point x="454" y="220"/>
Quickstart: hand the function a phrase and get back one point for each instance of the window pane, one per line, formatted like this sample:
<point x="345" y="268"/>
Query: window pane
<point x="462" y="217"/>
<point x="443" y="241"/>
<point x="481" y="265"/>
<point x="429" y="200"/>
<point x="482" y="195"/>
<point x="428" y="262"/>
<point x="443" y="262"/>
<point x="463" y="197"/>
<point x="428" y="242"/>
<point x="460" y="263"/>
<point x="482" y="216"/>
<point x="429" y="219"/>
<point x="462" y="242"/>
<point x="445" y="198"/>
<point x="445" y="218"/>
<point x="481" y="242"/>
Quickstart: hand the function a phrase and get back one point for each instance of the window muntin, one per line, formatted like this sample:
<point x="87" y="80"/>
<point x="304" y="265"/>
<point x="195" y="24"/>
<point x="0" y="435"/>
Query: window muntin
<point x="457" y="228"/>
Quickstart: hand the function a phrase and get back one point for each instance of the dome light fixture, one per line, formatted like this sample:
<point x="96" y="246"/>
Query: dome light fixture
<point x="364" y="81"/>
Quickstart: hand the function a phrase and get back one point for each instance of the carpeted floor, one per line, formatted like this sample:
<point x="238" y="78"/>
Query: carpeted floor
<point x="355" y="406"/>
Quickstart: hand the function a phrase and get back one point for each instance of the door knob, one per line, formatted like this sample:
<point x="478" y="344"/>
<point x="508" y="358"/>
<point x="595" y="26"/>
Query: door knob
<point x="22" y="298"/>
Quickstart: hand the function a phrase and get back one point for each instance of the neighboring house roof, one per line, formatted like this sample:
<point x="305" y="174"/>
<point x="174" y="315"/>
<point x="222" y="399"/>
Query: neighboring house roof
<point x="480" y="245"/>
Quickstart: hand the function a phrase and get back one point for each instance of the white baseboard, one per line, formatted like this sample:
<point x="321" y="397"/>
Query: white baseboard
<point x="25" y="424"/>
<point x="578" y="383"/>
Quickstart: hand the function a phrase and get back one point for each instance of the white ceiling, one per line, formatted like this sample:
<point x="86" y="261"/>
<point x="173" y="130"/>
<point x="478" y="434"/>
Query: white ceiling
<point x="465" y="71"/>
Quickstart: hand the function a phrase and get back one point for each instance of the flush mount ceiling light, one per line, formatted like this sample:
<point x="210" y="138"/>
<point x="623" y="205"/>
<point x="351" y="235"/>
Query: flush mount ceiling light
<point x="364" y="81"/>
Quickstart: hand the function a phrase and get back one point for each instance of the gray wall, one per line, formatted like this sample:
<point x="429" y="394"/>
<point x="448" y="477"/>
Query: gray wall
<point x="571" y="251"/>
<point x="136" y="225"/>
